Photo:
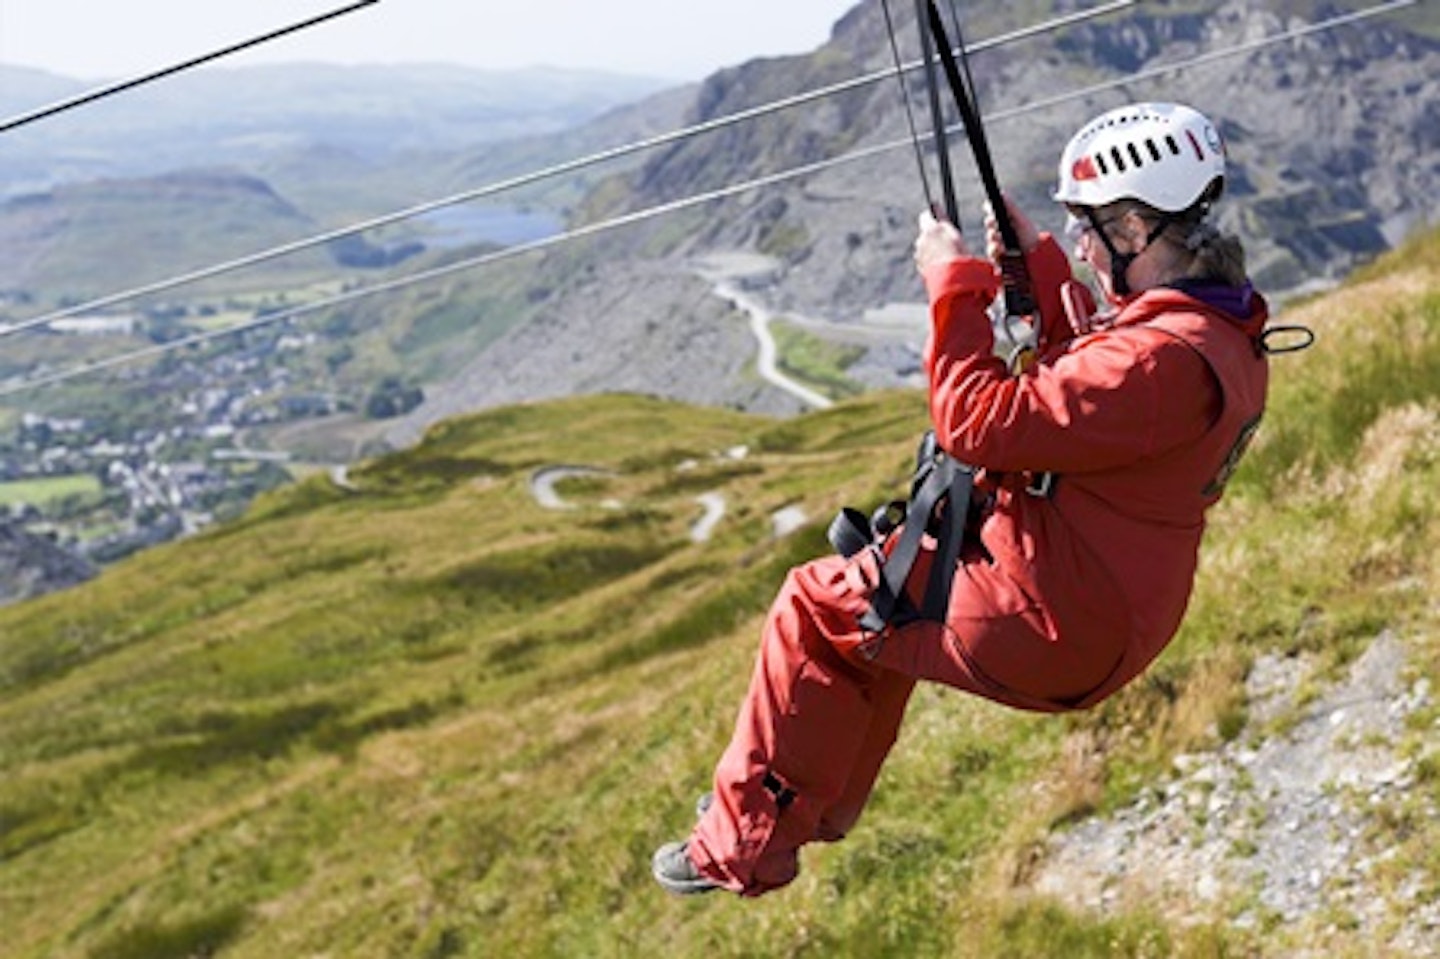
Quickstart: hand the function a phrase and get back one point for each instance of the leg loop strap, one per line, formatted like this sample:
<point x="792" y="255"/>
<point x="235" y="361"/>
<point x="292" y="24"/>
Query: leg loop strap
<point x="939" y="504"/>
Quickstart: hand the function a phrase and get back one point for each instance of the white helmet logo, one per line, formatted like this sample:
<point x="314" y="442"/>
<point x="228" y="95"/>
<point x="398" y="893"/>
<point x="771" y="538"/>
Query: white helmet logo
<point x="1212" y="137"/>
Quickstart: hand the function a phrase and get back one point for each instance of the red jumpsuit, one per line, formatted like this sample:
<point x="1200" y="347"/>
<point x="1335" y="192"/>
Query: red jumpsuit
<point x="1072" y="594"/>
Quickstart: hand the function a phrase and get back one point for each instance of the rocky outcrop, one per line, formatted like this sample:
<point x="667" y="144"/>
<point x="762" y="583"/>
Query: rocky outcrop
<point x="1289" y="820"/>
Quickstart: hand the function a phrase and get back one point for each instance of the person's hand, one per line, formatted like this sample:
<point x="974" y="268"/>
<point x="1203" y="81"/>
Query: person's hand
<point x="939" y="242"/>
<point x="1025" y="231"/>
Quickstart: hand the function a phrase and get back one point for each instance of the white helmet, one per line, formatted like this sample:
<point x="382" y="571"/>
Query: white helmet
<point x="1164" y="154"/>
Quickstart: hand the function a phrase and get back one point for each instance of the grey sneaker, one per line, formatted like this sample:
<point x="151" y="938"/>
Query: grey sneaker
<point x="673" y="869"/>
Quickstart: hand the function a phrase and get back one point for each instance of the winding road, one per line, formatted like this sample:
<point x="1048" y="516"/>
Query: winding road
<point x="768" y="361"/>
<point x="542" y="483"/>
<point x="727" y="273"/>
<point x="713" y="505"/>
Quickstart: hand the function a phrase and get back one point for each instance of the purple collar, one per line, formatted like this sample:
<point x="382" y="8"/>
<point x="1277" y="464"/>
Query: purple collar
<point x="1234" y="300"/>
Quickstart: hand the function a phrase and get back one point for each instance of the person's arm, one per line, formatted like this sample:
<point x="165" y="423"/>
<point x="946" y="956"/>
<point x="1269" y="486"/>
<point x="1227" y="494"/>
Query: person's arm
<point x="1105" y="401"/>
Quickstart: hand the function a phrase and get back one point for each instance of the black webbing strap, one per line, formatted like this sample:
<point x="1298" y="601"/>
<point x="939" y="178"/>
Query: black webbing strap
<point x="950" y="541"/>
<point x="1019" y="300"/>
<point x="946" y="485"/>
<point x="940" y="505"/>
<point x="937" y="117"/>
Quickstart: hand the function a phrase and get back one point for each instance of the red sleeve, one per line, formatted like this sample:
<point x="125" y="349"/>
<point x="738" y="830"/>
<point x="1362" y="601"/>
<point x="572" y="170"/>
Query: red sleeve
<point x="1102" y="401"/>
<point x="1049" y="268"/>
<point x="960" y="292"/>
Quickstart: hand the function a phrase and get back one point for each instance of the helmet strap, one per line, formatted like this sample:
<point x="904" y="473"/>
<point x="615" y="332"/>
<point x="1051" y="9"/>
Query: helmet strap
<point x="1120" y="262"/>
<point x="1119" y="267"/>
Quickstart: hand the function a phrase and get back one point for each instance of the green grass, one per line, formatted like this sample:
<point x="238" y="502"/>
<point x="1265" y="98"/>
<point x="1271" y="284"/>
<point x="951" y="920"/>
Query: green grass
<point x="815" y="361"/>
<point x="429" y="719"/>
<point x="40" y="492"/>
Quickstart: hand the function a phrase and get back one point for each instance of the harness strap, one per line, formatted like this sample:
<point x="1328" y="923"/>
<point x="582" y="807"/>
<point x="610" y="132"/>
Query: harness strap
<point x="1015" y="273"/>
<point x="950" y="541"/>
<point x="940" y="505"/>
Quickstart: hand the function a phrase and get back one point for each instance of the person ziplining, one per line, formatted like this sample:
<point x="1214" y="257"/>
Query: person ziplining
<point x="1062" y="498"/>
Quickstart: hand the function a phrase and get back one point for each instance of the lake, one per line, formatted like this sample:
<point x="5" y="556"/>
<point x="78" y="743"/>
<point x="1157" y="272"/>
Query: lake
<point x="461" y="225"/>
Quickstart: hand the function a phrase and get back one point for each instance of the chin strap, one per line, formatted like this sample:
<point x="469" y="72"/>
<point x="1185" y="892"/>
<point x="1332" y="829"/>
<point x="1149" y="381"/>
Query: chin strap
<point x="1120" y="262"/>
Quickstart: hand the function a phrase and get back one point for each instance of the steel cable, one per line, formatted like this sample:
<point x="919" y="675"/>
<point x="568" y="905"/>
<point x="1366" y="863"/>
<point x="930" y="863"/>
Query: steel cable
<point x="114" y="88"/>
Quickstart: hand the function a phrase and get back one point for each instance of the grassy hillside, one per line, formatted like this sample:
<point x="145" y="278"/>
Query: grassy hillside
<point x="425" y="718"/>
<point x="65" y="242"/>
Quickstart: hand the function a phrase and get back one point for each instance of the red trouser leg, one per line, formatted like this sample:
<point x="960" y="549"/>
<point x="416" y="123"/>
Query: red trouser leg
<point x="811" y="737"/>
<point x="821" y="716"/>
<point x="889" y="695"/>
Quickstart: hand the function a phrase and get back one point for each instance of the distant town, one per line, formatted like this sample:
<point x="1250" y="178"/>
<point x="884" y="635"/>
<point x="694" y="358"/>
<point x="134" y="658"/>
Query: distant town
<point x="108" y="484"/>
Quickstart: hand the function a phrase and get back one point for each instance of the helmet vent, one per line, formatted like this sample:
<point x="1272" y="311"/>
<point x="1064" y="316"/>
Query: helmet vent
<point x="1154" y="150"/>
<point x="1119" y="160"/>
<point x="1134" y="154"/>
<point x="1174" y="147"/>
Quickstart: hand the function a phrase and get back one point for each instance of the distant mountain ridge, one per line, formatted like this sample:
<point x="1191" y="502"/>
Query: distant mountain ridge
<point x="220" y="163"/>
<point x="215" y="116"/>
<point x="66" y="238"/>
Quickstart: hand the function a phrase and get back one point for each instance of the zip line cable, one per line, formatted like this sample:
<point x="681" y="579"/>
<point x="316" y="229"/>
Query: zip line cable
<point x="527" y="179"/>
<point x="86" y="368"/>
<point x="106" y="91"/>
<point x="905" y="102"/>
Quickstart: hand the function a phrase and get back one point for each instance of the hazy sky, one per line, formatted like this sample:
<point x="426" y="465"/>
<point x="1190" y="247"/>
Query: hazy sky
<point x="111" y="39"/>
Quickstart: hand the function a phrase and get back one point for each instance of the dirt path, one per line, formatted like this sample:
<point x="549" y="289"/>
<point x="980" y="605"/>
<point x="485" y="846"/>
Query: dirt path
<point x="544" y="480"/>
<point x="704" y="527"/>
<point x="729" y="274"/>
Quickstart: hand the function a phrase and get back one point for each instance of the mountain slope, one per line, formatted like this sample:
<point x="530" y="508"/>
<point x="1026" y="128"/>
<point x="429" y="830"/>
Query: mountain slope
<point x="67" y="239"/>
<point x="1310" y="200"/>
<point x="1330" y="131"/>
<point x="415" y="714"/>
<point x="1332" y="145"/>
